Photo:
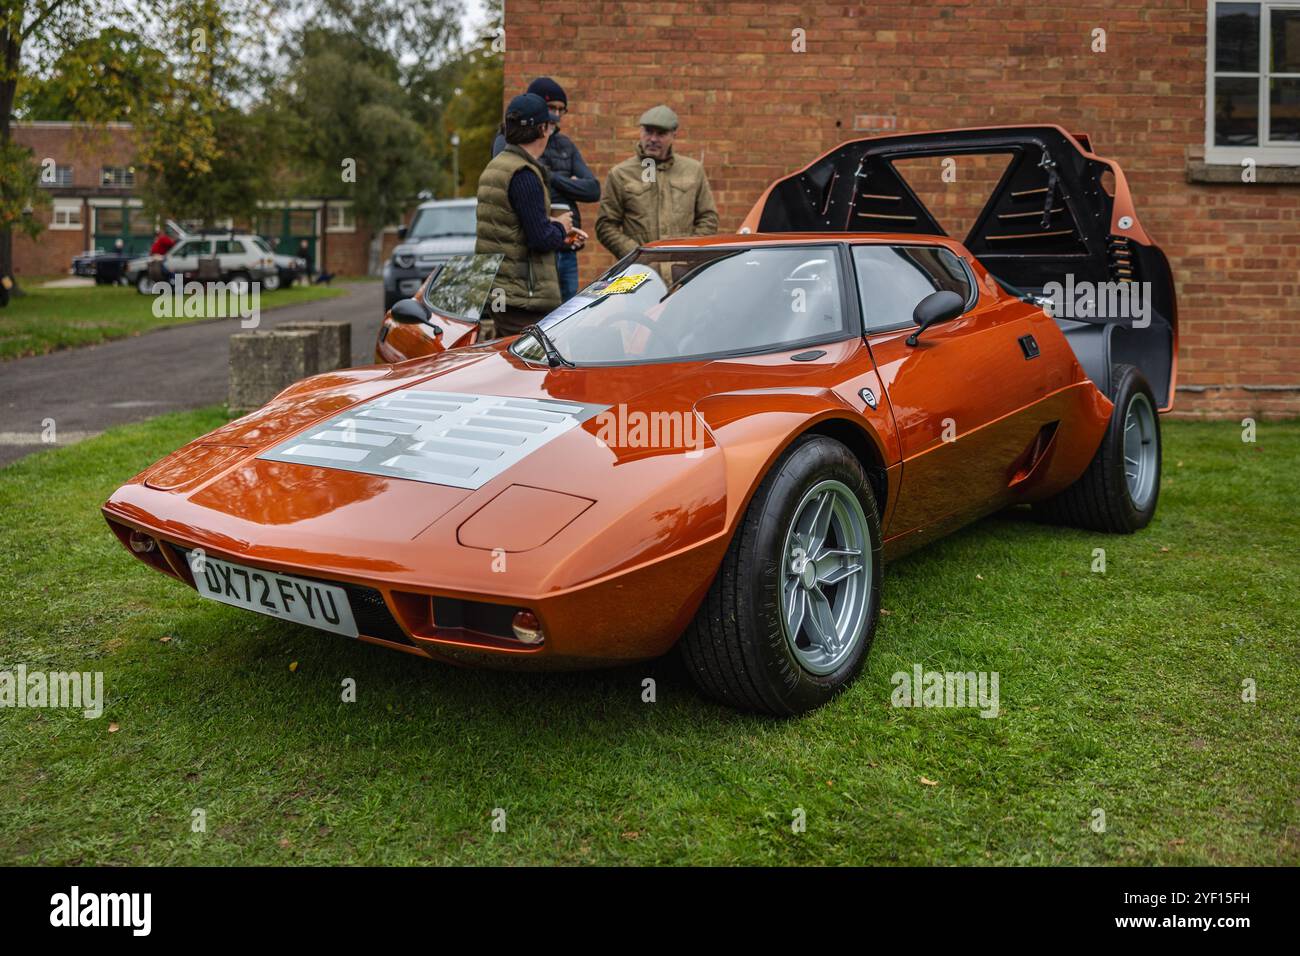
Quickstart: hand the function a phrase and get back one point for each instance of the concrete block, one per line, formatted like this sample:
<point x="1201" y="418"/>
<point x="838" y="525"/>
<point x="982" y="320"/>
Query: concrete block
<point x="334" y="350"/>
<point x="265" y="363"/>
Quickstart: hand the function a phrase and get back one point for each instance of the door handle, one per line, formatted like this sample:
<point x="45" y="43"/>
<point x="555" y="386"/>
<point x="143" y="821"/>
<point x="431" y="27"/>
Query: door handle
<point x="1029" y="346"/>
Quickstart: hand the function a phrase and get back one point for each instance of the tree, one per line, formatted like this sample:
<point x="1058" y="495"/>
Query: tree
<point x="42" y="26"/>
<point x="461" y="94"/>
<point x="354" y="91"/>
<point x="20" y="197"/>
<point x="475" y="111"/>
<point x="113" y="75"/>
<point x="201" y="155"/>
<point x="355" y="128"/>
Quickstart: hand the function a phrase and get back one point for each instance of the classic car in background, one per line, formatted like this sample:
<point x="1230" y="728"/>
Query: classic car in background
<point x="106" y="268"/>
<point x="234" y="257"/>
<point x="715" y="447"/>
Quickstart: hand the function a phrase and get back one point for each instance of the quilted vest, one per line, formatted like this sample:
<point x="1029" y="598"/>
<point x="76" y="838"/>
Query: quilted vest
<point x="527" y="277"/>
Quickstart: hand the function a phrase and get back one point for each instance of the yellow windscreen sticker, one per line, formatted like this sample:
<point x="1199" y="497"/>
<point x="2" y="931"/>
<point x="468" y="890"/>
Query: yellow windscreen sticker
<point x="625" y="284"/>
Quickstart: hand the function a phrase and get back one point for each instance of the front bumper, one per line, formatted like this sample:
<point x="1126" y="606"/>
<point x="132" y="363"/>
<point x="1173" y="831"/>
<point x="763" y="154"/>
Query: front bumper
<point x="402" y="283"/>
<point x="637" y="615"/>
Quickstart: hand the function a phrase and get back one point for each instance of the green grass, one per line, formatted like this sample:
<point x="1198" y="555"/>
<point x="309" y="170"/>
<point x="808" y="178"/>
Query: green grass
<point x="45" y="320"/>
<point x="1119" y="691"/>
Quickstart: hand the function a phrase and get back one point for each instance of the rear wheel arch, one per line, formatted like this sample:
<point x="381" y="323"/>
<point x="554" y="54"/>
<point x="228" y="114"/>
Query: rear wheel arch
<point x="1120" y="488"/>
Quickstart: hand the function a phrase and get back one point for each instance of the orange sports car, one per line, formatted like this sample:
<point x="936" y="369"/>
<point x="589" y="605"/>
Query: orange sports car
<point x="716" y="446"/>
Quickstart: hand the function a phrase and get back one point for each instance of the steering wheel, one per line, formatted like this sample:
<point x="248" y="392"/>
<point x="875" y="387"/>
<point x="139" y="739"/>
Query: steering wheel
<point x="794" y="273"/>
<point x="638" y="320"/>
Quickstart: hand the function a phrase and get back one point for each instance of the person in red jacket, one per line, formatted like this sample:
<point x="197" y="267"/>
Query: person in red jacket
<point x="162" y="244"/>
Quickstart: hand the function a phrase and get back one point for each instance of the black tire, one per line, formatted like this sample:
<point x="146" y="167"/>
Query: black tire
<point x="1101" y="499"/>
<point x="735" y="649"/>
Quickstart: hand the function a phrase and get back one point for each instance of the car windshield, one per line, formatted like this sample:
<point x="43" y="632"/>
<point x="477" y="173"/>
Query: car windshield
<point x="678" y="304"/>
<point x="435" y="221"/>
<point x="459" y="288"/>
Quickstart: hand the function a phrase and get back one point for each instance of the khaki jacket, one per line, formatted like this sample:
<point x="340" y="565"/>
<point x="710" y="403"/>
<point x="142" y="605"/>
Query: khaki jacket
<point x="676" y="202"/>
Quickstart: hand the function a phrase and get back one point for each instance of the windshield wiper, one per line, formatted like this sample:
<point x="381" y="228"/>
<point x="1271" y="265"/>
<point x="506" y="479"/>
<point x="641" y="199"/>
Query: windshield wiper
<point x="553" y="357"/>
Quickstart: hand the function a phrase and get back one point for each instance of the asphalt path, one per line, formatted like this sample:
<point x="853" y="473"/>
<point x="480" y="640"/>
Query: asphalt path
<point x="87" y="390"/>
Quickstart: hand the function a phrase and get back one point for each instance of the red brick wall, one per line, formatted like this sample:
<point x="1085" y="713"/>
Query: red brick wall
<point x="87" y="151"/>
<point x="348" y="253"/>
<point x="753" y="110"/>
<point x="51" y="253"/>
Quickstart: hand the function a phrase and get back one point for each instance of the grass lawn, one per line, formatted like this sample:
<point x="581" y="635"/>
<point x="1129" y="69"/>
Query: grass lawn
<point x="45" y="320"/>
<point x="1119" y="692"/>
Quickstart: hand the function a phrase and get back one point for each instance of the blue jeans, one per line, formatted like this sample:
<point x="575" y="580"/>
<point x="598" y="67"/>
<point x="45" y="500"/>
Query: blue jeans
<point x="566" y="264"/>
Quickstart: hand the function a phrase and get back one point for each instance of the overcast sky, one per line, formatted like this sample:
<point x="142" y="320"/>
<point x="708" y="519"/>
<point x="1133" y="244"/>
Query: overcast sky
<point x="475" y="18"/>
<point x="472" y="23"/>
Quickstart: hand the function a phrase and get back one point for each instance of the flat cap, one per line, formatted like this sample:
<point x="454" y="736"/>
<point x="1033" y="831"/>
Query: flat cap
<point x="660" y="117"/>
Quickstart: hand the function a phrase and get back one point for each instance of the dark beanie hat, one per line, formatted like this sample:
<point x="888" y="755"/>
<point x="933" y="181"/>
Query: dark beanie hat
<point x="548" y="89"/>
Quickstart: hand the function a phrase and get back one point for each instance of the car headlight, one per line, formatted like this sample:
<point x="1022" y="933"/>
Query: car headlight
<point x="404" y="257"/>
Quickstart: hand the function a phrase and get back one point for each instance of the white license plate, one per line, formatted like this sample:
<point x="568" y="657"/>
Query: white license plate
<point x="278" y="595"/>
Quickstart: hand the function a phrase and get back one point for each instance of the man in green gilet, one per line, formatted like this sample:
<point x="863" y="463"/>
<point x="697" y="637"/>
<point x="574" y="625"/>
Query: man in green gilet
<point x="514" y="220"/>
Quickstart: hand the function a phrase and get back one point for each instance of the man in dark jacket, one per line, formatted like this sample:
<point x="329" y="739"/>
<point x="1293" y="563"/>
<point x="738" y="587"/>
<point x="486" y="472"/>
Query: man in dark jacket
<point x="571" y="181"/>
<point x="514" y="219"/>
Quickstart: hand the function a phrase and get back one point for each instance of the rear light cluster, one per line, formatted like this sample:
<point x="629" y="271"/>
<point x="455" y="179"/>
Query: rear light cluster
<point x="527" y="628"/>
<point x="478" y="623"/>
<point x="145" y="547"/>
<point x="141" y="543"/>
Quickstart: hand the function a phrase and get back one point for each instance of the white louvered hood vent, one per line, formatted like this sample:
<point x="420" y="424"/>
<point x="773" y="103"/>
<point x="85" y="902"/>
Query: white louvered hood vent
<point x="444" y="438"/>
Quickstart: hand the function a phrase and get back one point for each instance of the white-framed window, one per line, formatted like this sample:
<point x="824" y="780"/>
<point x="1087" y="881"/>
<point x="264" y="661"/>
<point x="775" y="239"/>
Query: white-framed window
<point x="1252" y="87"/>
<point x="66" y="214"/>
<point x="340" y="218"/>
<point x="117" y="177"/>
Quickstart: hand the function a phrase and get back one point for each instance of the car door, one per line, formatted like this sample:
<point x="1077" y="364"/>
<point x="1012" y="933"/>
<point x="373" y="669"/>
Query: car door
<point x="964" y="399"/>
<point x="184" y="258"/>
<point x="231" y="257"/>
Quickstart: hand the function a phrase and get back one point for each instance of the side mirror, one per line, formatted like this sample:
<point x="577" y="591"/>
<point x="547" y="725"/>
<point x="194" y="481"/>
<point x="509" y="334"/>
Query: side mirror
<point x="935" y="308"/>
<point x="401" y="233"/>
<point x="409" y="310"/>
